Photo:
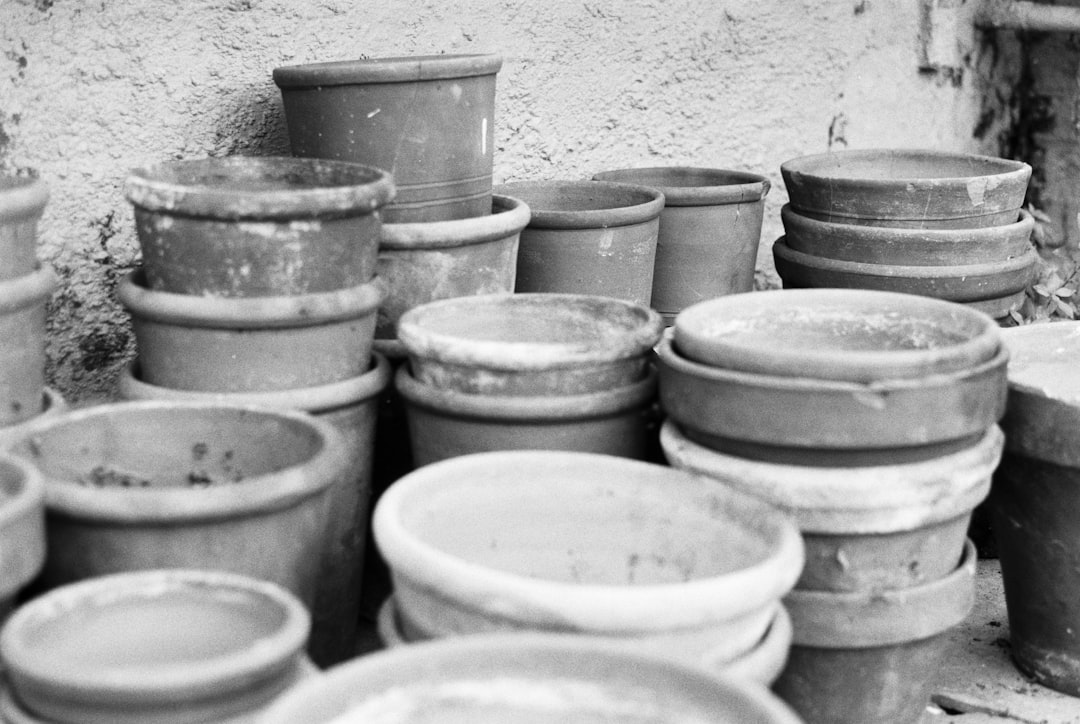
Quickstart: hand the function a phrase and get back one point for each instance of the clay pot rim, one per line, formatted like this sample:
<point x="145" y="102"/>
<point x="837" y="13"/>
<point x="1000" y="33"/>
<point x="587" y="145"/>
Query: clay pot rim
<point x="873" y="618"/>
<point x="810" y="166"/>
<point x="661" y="606"/>
<point x="640" y="328"/>
<point x="396" y="69"/>
<point x="299" y="310"/>
<point x="1043" y="334"/>
<point x="28" y="290"/>
<point x="331" y="188"/>
<point x="644" y="205"/>
<point x="901" y="234"/>
<point x="257" y="494"/>
<point x="263" y="658"/>
<point x="508" y="217"/>
<point x="22" y="197"/>
<point x="694" y="185"/>
<point x="699" y="335"/>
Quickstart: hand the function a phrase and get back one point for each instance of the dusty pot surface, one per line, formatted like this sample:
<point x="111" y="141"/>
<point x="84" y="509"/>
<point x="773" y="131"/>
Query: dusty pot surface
<point x="154" y="646"/>
<point x="428" y="119"/>
<point x="585" y="543"/>
<point x="588" y="237"/>
<point x="529" y="344"/>
<point x="22" y="201"/>
<point x="907" y="188"/>
<point x="217" y="344"/>
<point x="22" y="527"/>
<point x="423" y="262"/>
<point x="23" y="303"/>
<point x="253" y="227"/>
<point x="839" y="334"/>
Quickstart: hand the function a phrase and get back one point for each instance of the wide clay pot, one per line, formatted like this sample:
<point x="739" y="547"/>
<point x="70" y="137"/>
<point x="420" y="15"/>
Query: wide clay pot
<point x="588" y="237"/>
<point x="529" y="344"/>
<point x="709" y="231"/>
<point x="906" y="188"/>
<point x="872" y="527"/>
<point x="903" y="246"/>
<point x="585" y="543"/>
<point x="22" y="202"/>
<point x="23" y="303"/>
<point x="872" y="656"/>
<point x="259" y="344"/>
<point x="22" y="528"/>
<point x="141" y="485"/>
<point x="1035" y="503"/>
<point x="152" y="647"/>
<point x="523" y="678"/>
<point x="423" y="262"/>
<point x="427" y="119"/>
<point x="444" y="423"/>
<point x="244" y="226"/>
<point x="351" y="406"/>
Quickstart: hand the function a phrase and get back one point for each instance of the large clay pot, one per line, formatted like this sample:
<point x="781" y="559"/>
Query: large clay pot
<point x="22" y="356"/>
<point x="428" y="119"/>
<point x="523" y="678"/>
<point x="52" y="404"/>
<point x="423" y="262"/>
<point x="255" y="227"/>
<point x="588" y="237"/>
<point x="259" y="344"/>
<point x="907" y="188"/>
<point x="589" y="544"/>
<point x="872" y="656"/>
<point x="709" y="232"/>
<point x="140" y="485"/>
<point x="152" y="647"/>
<point x="22" y="528"/>
<point x="22" y="201"/>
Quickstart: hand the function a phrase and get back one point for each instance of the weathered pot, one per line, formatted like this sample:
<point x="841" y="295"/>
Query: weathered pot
<point x="243" y="226"/>
<point x="22" y="202"/>
<point x="22" y="356"/>
<point x="522" y="677"/>
<point x="1036" y="503"/>
<point x="428" y="119"/>
<point x="852" y="335"/>
<point x="141" y="485"/>
<point x="709" y="231"/>
<point x="52" y="404"/>
<point x="585" y="543"/>
<point x="22" y="528"/>
<point x="872" y="656"/>
<point x="216" y="344"/>
<point x="807" y="421"/>
<point x="152" y="647"/>
<point x="422" y="262"/>
<point x="588" y="237"/>
<point x="907" y="188"/>
<point x="445" y="423"/>
<point x="351" y="406"/>
<point x="529" y="344"/>
<point x="904" y="246"/>
<point x="873" y="527"/>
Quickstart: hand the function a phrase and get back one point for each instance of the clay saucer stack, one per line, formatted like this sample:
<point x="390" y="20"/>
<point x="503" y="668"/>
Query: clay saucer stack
<point x="943" y="225"/>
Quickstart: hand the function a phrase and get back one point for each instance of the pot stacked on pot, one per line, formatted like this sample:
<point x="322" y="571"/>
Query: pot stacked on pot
<point x="942" y="225"/>
<point x="871" y="417"/>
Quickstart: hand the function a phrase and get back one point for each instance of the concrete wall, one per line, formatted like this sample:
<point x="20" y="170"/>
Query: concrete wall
<point x="92" y="88"/>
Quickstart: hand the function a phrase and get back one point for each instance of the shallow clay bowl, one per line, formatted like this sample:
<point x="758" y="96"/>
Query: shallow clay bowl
<point x="837" y="334"/>
<point x="907" y="188"/>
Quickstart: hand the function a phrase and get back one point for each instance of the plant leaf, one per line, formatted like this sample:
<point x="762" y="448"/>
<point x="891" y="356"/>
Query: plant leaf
<point x="1065" y="309"/>
<point x="1041" y="290"/>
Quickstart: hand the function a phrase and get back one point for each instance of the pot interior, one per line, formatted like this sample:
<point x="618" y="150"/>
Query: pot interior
<point x="253" y="175"/>
<point x="578" y="196"/>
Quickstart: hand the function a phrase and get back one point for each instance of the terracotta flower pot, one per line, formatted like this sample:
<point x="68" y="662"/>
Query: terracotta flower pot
<point x="872" y="656"/>
<point x="423" y="262"/>
<point x="907" y="188"/>
<point x="215" y="344"/>
<point x="428" y="119"/>
<point x="589" y="544"/>
<point x="22" y="357"/>
<point x="529" y="344"/>
<point x="709" y="232"/>
<point x="517" y="678"/>
<point x="141" y="485"/>
<point x="150" y="647"/>
<point x="588" y="237"/>
<point x="52" y="404"/>
<point x="256" y="227"/>
<point x="873" y="527"/>
<point x="22" y="528"/>
<point x="22" y="202"/>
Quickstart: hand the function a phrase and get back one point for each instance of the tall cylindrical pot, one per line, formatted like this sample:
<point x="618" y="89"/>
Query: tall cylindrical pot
<point x="22" y="357"/>
<point x="22" y="202"/>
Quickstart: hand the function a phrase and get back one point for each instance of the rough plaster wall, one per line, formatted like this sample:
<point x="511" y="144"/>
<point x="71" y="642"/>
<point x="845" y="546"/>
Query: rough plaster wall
<point x="89" y="90"/>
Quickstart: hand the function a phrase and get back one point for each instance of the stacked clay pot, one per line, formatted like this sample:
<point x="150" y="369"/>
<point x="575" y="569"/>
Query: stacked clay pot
<point x="871" y="418"/>
<point x="942" y="225"/>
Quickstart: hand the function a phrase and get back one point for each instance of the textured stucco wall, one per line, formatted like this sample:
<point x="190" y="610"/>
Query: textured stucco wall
<point x="90" y="89"/>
